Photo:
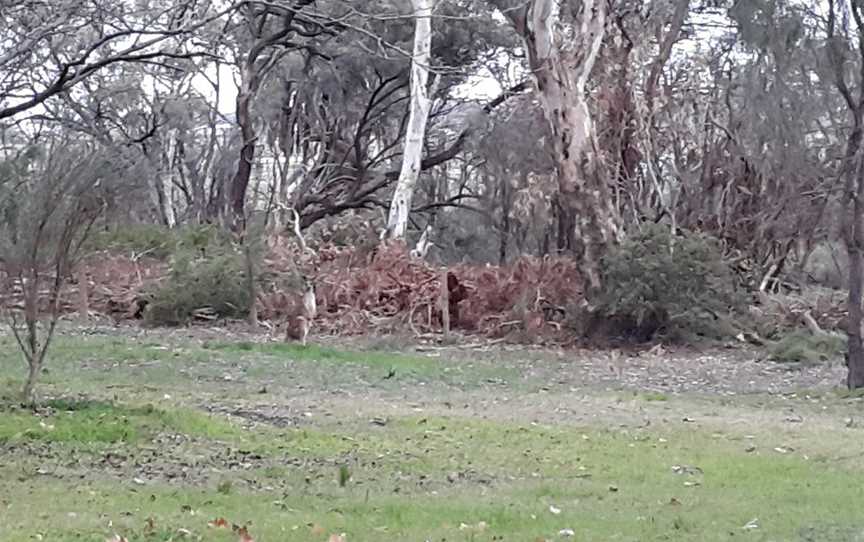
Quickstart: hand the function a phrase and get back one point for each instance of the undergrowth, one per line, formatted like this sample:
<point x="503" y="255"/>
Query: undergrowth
<point x="655" y="283"/>
<point x="802" y="346"/>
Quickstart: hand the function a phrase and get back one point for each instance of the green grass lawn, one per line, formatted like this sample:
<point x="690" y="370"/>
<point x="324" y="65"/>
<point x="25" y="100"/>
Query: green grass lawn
<point x="411" y="479"/>
<point x="96" y="363"/>
<point x="90" y="463"/>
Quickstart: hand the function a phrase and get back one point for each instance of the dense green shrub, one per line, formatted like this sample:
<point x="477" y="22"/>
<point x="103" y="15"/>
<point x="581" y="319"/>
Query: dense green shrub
<point x="654" y="283"/>
<point x="828" y="265"/>
<point x="158" y="241"/>
<point x="802" y="346"/>
<point x="208" y="277"/>
<point x="155" y="240"/>
<point x="203" y="240"/>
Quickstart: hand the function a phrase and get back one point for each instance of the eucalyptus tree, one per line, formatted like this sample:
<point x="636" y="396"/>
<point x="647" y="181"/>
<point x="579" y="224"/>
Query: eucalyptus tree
<point x="418" y="115"/>
<point x="47" y="47"/>
<point x="844" y="33"/>
<point x="266" y="32"/>
<point x="337" y="118"/>
<point x="562" y="43"/>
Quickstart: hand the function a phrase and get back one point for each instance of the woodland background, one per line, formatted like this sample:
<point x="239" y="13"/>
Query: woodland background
<point x="612" y="170"/>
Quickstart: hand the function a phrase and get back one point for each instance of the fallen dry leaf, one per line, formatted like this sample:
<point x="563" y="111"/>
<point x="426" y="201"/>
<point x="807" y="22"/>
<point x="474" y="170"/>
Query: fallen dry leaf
<point x="337" y="538"/>
<point x="243" y="534"/>
<point x="219" y="523"/>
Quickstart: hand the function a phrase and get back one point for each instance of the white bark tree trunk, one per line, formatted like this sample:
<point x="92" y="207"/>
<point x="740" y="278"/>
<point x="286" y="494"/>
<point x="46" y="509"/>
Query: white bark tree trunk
<point x="415" y="133"/>
<point x="168" y="180"/>
<point x="561" y="61"/>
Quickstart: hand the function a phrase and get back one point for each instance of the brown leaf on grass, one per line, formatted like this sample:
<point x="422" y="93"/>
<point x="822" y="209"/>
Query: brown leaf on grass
<point x="338" y="538"/>
<point x="219" y="523"/>
<point x="243" y="534"/>
<point x="116" y="538"/>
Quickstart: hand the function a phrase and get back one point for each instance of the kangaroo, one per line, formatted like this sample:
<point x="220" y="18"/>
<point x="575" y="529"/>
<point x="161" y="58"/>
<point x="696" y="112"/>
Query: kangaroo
<point x="300" y="311"/>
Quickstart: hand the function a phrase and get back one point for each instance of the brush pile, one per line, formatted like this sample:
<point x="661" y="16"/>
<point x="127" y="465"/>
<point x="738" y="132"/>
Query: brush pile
<point x="372" y="289"/>
<point x="386" y="289"/>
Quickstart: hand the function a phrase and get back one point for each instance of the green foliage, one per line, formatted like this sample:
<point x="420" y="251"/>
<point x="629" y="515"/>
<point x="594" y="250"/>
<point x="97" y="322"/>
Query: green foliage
<point x="154" y="240"/>
<point x="204" y="276"/>
<point x="655" y="283"/>
<point x="828" y="265"/>
<point x="802" y="346"/>
<point x="208" y="271"/>
<point x="202" y="239"/>
<point x="344" y="475"/>
<point x="159" y="241"/>
<point x="49" y="198"/>
<point x="225" y="487"/>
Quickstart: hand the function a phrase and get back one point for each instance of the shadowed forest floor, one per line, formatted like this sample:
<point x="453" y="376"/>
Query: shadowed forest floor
<point x="157" y="435"/>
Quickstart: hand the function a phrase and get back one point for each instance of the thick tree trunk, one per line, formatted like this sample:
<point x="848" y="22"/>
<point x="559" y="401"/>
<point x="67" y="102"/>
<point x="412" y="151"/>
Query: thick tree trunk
<point x="561" y="70"/>
<point x="415" y="133"/>
<point x="34" y="368"/>
<point x="160" y="199"/>
<point x="504" y="235"/>
<point x="240" y="181"/>
<point x="854" y="234"/>
<point x="444" y="305"/>
<point x="83" y="293"/>
<point x="564" y="238"/>
<point x="168" y="180"/>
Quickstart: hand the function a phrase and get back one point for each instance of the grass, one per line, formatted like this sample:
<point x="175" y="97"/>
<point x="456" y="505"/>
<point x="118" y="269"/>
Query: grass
<point x="77" y="361"/>
<point x="120" y="458"/>
<point x="373" y="363"/>
<point x="89" y="422"/>
<point x="651" y="396"/>
<point x="94" y="363"/>
<point x="401" y="363"/>
<point x="514" y="482"/>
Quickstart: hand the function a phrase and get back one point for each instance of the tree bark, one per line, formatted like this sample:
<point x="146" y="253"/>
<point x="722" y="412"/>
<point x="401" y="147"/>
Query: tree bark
<point x="240" y="181"/>
<point x="83" y="293"/>
<point x="34" y="368"/>
<point x="415" y="133"/>
<point x="561" y="70"/>
<point x="853" y="196"/>
<point x="444" y="305"/>
<point x="168" y="178"/>
<point x="262" y="56"/>
<point x="504" y="234"/>
<point x="854" y="235"/>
